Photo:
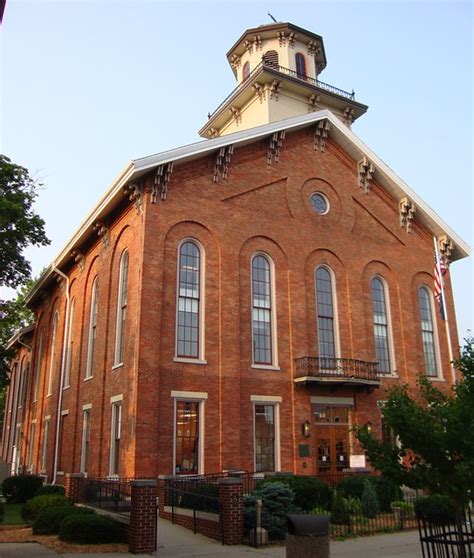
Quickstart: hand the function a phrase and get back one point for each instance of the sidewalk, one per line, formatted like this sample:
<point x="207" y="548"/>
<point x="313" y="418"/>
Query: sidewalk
<point x="177" y="542"/>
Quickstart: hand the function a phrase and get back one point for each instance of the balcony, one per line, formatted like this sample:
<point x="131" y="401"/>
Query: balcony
<point x="336" y="372"/>
<point x="276" y="69"/>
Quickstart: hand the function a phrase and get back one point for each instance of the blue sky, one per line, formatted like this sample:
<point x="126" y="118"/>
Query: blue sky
<point x="87" y="86"/>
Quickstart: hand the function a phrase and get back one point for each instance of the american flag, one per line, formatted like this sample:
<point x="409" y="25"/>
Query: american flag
<point x="439" y="272"/>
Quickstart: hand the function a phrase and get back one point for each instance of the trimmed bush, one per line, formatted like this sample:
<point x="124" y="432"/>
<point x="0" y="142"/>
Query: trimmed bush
<point x="369" y="500"/>
<point x="309" y="492"/>
<point x="20" y="488"/>
<point x="48" y="521"/>
<point x="278" y="500"/>
<point x="354" y="505"/>
<point x="90" y="529"/>
<point x="339" y="511"/>
<point x="437" y="509"/>
<point x="51" y="489"/>
<point x="386" y="491"/>
<point x="36" y="505"/>
<point x="352" y="487"/>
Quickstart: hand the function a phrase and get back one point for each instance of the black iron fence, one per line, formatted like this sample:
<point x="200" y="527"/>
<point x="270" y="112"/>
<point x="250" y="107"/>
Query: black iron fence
<point x="447" y="541"/>
<point x="112" y="495"/>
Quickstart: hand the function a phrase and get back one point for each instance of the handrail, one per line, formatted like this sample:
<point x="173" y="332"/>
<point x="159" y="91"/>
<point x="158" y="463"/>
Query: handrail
<point x="291" y="73"/>
<point x="339" y="368"/>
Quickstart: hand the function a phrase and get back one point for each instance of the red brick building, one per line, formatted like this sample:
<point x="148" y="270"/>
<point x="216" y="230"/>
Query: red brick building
<point x="237" y="303"/>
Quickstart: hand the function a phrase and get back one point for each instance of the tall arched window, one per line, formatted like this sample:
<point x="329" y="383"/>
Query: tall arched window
<point x="189" y="301"/>
<point x="325" y="311"/>
<point x="92" y="328"/>
<point x="39" y="358"/>
<point x="300" y="65"/>
<point x="427" y="331"/>
<point x="262" y="319"/>
<point x="381" y="325"/>
<point x="52" y="356"/>
<point x="270" y="58"/>
<point x="70" y="344"/>
<point x="121" y="309"/>
<point x="245" y="71"/>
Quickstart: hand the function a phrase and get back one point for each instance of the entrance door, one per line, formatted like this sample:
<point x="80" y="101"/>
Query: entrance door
<point x="332" y="438"/>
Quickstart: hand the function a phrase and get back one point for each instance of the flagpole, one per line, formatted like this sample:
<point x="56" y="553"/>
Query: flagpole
<point x="445" y="310"/>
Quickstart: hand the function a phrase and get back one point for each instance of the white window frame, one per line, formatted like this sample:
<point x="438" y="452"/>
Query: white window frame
<point x="115" y="401"/>
<point x="434" y="318"/>
<point x="31" y="443"/>
<point x="39" y="358"/>
<point x="273" y="314"/>
<point x="201" y="398"/>
<point x="52" y="355"/>
<point x="44" y="454"/>
<point x="388" y="309"/>
<point x="335" y="321"/>
<point x="64" y="413"/>
<point x="70" y="345"/>
<point x="86" y="411"/>
<point x="274" y="400"/>
<point x="92" y="329"/>
<point x="120" y="308"/>
<point x="201" y="358"/>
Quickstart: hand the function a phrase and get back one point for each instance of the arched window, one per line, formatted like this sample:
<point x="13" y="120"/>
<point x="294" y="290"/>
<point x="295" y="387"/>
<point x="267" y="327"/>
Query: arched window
<point x="270" y="58"/>
<point x="189" y="301"/>
<point x="121" y="309"/>
<point x="92" y="328"/>
<point x="427" y="331"/>
<point x="70" y="344"/>
<point x="381" y="325"/>
<point x="325" y="311"/>
<point x="52" y="357"/>
<point x="39" y="358"/>
<point x="262" y="319"/>
<point x="300" y="65"/>
<point x="245" y="71"/>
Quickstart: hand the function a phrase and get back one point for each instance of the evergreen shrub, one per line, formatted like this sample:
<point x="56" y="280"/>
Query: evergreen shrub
<point x="90" y="529"/>
<point x="278" y="500"/>
<point x="309" y="492"/>
<point x="339" y="512"/>
<point x="369" y="500"/>
<point x="32" y="508"/>
<point x="20" y="488"/>
<point x="437" y="509"/>
<point x="50" y="489"/>
<point x="48" y="521"/>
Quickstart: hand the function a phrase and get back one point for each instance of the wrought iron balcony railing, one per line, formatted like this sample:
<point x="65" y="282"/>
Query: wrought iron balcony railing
<point x="337" y="369"/>
<point x="288" y="72"/>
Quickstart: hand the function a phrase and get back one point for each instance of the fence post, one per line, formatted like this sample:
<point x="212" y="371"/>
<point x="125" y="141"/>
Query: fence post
<point x="74" y="487"/>
<point x="231" y="496"/>
<point x="142" y="532"/>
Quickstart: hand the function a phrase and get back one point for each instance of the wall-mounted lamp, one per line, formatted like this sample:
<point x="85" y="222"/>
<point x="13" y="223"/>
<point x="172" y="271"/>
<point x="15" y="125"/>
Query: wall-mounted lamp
<point x="369" y="426"/>
<point x="305" y="428"/>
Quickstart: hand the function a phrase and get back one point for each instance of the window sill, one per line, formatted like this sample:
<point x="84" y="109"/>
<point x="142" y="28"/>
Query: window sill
<point x="49" y="394"/>
<point x="190" y="360"/>
<point x="88" y="378"/>
<point x="435" y="379"/>
<point x="389" y="376"/>
<point x="119" y="365"/>
<point x="66" y="387"/>
<point x="265" y="367"/>
<point x="60" y="473"/>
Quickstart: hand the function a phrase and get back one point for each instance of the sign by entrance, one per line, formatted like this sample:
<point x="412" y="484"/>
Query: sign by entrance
<point x="357" y="461"/>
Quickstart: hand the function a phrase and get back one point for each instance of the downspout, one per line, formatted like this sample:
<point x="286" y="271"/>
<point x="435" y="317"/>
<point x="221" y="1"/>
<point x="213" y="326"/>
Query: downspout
<point x="63" y="364"/>
<point x="20" y="342"/>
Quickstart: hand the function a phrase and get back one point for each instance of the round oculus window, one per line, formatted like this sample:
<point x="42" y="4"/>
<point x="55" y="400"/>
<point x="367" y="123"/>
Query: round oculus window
<point x="319" y="203"/>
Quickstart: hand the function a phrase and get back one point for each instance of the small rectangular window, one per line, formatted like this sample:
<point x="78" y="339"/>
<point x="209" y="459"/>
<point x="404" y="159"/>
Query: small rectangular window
<point x="62" y="445"/>
<point x="31" y="444"/>
<point x="44" y="456"/>
<point x="115" y="438"/>
<point x="86" y="425"/>
<point x="264" y="437"/>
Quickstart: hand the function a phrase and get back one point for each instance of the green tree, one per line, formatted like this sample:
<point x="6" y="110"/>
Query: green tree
<point x="435" y="435"/>
<point x="20" y="226"/>
<point x="13" y="315"/>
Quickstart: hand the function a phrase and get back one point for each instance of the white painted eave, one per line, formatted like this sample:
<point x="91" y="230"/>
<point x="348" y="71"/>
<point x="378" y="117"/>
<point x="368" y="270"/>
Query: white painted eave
<point x="339" y="133"/>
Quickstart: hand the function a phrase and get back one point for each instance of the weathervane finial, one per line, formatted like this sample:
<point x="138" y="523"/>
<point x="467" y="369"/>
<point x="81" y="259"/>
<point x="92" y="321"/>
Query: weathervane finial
<point x="272" y="17"/>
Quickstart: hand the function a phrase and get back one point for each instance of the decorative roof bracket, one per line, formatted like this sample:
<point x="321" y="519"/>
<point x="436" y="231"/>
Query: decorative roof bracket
<point x="221" y="166"/>
<point x="102" y="232"/>
<point x="446" y="247"/>
<point x="161" y="181"/>
<point x="366" y="171"/>
<point x="134" y="192"/>
<point x="321" y="132"/>
<point x="79" y="258"/>
<point x="407" y="213"/>
<point x="274" y="147"/>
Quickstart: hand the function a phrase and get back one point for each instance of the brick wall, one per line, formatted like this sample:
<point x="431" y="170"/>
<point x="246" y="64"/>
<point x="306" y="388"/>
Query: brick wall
<point x="259" y="208"/>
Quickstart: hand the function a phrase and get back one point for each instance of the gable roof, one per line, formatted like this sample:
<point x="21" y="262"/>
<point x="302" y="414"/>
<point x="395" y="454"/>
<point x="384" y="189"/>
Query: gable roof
<point x="339" y="133"/>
